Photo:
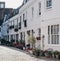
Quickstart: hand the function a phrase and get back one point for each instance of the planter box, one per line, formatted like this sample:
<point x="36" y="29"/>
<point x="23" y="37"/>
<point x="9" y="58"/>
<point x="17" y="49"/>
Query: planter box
<point x="15" y="30"/>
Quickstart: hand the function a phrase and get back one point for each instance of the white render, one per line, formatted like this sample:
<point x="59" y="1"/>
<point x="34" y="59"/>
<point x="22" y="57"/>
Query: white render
<point x="48" y="17"/>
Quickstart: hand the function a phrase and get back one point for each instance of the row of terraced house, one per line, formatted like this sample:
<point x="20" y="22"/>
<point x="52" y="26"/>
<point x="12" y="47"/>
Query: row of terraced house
<point x="40" y="18"/>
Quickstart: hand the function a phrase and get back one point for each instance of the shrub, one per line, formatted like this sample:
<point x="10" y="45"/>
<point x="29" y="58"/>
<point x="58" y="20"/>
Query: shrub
<point x="56" y="52"/>
<point x="59" y="55"/>
<point x="42" y="53"/>
<point x="36" y="52"/>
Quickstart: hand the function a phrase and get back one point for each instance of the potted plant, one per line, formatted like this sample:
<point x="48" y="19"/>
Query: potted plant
<point x="48" y="54"/>
<point x="45" y="53"/>
<point x="33" y="51"/>
<point x="42" y="53"/>
<point x="59" y="56"/>
<point x="32" y="40"/>
<point x="37" y="52"/>
<point x="56" y="53"/>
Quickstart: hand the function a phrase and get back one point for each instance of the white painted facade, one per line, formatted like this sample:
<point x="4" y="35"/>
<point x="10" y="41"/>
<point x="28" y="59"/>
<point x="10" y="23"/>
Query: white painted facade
<point x="49" y="17"/>
<point x="0" y="31"/>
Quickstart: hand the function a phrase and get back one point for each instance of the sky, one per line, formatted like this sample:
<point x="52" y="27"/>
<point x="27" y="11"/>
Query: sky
<point x="12" y="3"/>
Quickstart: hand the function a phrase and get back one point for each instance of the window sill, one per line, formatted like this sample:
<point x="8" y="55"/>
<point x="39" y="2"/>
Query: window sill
<point x="49" y="7"/>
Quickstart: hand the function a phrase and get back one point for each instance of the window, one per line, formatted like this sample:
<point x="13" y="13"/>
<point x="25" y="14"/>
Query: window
<point x="48" y="34"/>
<point x="23" y="17"/>
<point x="39" y="31"/>
<point x="49" y="3"/>
<point x="20" y="23"/>
<point x="39" y="8"/>
<point x="24" y="20"/>
<point x="17" y="37"/>
<point x="25" y="23"/>
<point x="53" y="34"/>
<point x="17" y="22"/>
<point x="28" y="32"/>
<point x="20" y="18"/>
<point x="32" y="11"/>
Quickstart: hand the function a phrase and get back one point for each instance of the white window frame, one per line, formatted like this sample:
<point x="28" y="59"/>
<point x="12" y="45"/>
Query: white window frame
<point x="48" y="4"/>
<point x="53" y="34"/>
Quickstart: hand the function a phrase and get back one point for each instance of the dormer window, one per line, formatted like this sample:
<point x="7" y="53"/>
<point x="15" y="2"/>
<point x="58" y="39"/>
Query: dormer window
<point x="49" y="3"/>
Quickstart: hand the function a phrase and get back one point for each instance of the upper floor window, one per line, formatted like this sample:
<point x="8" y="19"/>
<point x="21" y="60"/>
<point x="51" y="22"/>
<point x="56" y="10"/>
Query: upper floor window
<point x="25" y="23"/>
<point x="23" y="17"/>
<point x="49" y="3"/>
<point x="20" y="18"/>
<point x="20" y="23"/>
<point x="39" y="8"/>
<point x="32" y="11"/>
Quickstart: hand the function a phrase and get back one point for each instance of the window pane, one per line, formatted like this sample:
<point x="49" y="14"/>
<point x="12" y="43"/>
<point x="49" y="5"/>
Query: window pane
<point x="32" y="11"/>
<point x="57" y="29"/>
<point x="52" y="39"/>
<point x="48" y="39"/>
<point x="57" y="40"/>
<point x="51" y="29"/>
<point x="48" y="29"/>
<point x="48" y="3"/>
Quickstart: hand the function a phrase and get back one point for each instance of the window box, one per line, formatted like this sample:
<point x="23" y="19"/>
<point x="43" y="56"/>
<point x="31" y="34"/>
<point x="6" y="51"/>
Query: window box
<point x="38" y="38"/>
<point x="39" y="13"/>
<point x="15" y="29"/>
<point x="12" y="26"/>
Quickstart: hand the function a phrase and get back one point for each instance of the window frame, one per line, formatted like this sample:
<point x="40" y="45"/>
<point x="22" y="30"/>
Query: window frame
<point x="48" y="4"/>
<point x="53" y="34"/>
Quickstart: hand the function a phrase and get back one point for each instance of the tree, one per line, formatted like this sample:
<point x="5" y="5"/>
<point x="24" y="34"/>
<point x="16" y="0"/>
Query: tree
<point x="32" y="40"/>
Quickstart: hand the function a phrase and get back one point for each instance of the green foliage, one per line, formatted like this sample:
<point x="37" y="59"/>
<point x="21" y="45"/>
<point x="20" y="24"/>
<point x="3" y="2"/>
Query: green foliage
<point x="32" y="40"/>
<point x="56" y="52"/>
<point x="36" y="52"/>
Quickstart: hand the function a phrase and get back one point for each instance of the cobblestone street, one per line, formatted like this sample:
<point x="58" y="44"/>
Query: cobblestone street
<point x="7" y="54"/>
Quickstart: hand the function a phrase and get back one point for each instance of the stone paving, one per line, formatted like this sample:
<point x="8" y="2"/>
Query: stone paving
<point x="7" y="54"/>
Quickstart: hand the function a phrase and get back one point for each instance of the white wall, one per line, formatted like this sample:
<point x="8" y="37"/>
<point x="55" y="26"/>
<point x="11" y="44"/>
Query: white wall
<point x="47" y="17"/>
